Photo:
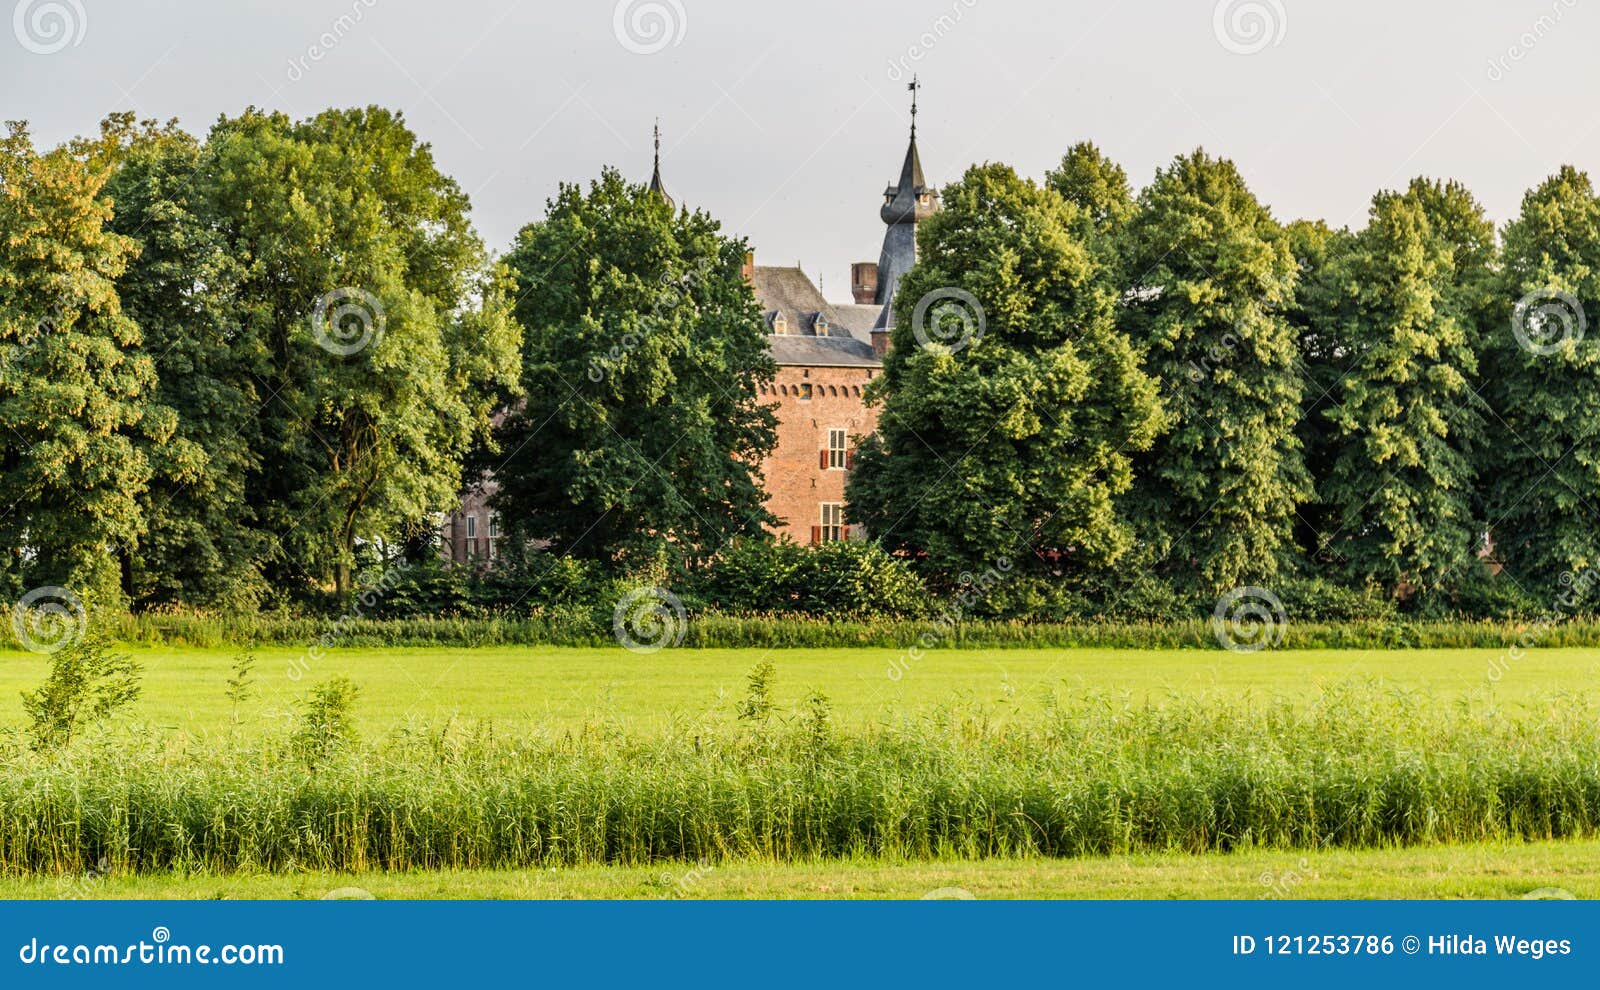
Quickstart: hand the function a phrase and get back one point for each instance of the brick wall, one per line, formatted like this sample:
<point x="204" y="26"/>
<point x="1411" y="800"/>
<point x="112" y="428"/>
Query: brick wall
<point x="797" y="483"/>
<point x="455" y="546"/>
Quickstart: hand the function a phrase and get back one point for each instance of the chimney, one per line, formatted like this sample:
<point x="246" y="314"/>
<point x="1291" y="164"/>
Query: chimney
<point x="749" y="268"/>
<point x="864" y="282"/>
<point x="880" y="343"/>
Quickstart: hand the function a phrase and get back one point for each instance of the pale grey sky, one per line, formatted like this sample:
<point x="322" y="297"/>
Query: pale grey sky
<point x="786" y="121"/>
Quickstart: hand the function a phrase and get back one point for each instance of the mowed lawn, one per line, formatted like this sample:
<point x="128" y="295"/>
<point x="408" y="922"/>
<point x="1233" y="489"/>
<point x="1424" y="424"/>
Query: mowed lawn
<point x="1539" y="871"/>
<point x="561" y="688"/>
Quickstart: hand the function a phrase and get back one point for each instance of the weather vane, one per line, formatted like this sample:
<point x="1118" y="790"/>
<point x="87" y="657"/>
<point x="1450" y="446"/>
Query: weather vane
<point x="914" y="85"/>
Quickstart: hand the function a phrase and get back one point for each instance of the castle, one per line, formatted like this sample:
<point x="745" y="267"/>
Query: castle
<point x="826" y="355"/>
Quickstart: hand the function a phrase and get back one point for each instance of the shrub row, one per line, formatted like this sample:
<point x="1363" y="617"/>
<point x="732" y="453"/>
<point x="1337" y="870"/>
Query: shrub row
<point x="575" y="627"/>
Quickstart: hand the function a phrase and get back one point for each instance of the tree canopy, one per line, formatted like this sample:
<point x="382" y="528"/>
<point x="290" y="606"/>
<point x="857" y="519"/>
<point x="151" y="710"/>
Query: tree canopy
<point x="642" y="430"/>
<point x="1011" y="402"/>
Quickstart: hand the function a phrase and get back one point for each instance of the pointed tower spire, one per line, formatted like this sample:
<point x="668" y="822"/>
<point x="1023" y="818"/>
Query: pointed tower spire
<point x="905" y="204"/>
<point x="656" y="185"/>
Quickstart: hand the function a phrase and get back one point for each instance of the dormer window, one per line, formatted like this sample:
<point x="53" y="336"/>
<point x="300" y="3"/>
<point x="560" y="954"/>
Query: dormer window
<point x="821" y="325"/>
<point x="780" y="323"/>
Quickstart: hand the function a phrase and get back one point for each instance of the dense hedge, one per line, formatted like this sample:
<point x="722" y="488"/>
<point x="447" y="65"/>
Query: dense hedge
<point x="711" y="630"/>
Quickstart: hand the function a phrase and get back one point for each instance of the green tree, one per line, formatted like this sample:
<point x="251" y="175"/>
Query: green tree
<point x="1318" y="308"/>
<point x="1472" y="291"/>
<point x="382" y="334"/>
<point x="643" y="430"/>
<point x="1407" y="420"/>
<point x="75" y="393"/>
<point x="1212" y="276"/>
<point x="1545" y="385"/>
<point x="1011" y="403"/>
<point x="202" y="546"/>
<point x="1096" y="185"/>
<point x="1099" y="188"/>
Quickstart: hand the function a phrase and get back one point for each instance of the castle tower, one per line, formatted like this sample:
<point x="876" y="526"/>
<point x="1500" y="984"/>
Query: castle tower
<point x="905" y="204"/>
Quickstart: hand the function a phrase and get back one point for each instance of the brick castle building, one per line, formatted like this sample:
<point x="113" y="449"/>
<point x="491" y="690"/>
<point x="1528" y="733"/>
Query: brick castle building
<point x="826" y="355"/>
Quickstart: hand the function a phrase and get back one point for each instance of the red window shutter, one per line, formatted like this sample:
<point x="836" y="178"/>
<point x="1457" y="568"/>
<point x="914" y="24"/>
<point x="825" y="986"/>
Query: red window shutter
<point x="816" y="535"/>
<point x="850" y="460"/>
<point x="823" y="460"/>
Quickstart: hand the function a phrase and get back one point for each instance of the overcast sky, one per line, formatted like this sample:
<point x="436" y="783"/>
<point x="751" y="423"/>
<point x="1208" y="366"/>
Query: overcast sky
<point x="787" y="120"/>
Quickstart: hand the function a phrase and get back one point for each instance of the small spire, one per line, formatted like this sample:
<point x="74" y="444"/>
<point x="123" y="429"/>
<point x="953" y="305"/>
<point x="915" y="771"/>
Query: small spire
<point x="656" y="185"/>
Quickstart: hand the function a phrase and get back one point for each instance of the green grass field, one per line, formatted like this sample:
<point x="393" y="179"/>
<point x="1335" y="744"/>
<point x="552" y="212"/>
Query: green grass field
<point x="552" y="687"/>
<point x="547" y="691"/>
<point x="1543" y="870"/>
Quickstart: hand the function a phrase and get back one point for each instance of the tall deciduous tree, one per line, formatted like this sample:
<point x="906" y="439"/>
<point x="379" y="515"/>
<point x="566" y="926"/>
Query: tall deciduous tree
<point x="202" y="546"/>
<point x="1406" y="418"/>
<point x="1012" y="404"/>
<point x="76" y="410"/>
<point x="384" y="337"/>
<point x="1212" y="276"/>
<point x="643" y="430"/>
<point x="1545" y="385"/>
<point x="1319" y="305"/>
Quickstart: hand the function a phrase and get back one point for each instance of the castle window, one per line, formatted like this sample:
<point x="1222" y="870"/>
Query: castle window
<point x="837" y="453"/>
<point x="805" y="393"/>
<point x="832" y="522"/>
<point x="472" y="527"/>
<point x="821" y="325"/>
<point x="780" y="323"/>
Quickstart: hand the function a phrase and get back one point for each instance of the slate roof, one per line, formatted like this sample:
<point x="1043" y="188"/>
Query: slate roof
<point x="822" y="352"/>
<point x="788" y="293"/>
<point x="858" y="319"/>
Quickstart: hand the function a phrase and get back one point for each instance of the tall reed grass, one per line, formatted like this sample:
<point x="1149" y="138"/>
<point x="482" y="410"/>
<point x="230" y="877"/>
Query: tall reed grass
<point x="1357" y="767"/>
